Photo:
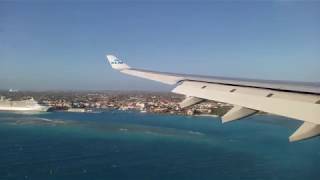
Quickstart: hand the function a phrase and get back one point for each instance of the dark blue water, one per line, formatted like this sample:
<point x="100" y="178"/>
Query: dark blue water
<point x="122" y="145"/>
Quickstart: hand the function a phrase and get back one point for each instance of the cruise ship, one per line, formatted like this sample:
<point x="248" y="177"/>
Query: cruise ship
<point x="23" y="105"/>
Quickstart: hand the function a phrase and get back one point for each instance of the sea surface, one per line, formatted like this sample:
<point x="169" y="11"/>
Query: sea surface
<point x="117" y="145"/>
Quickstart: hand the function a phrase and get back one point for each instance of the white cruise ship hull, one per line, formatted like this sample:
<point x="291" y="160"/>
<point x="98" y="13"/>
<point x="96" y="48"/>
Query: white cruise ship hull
<point x="40" y="108"/>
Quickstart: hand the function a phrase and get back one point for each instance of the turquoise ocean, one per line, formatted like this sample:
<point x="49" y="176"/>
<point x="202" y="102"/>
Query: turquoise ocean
<point x="117" y="145"/>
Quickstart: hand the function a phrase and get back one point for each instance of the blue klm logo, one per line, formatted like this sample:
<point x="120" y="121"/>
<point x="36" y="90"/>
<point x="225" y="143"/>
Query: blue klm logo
<point x="117" y="61"/>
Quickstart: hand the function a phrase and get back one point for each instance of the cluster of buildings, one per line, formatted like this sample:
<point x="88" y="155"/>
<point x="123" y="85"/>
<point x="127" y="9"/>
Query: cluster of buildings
<point x="153" y="102"/>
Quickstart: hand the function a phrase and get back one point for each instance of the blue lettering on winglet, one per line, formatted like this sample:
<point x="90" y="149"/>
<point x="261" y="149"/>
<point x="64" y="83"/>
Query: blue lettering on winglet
<point x="117" y="61"/>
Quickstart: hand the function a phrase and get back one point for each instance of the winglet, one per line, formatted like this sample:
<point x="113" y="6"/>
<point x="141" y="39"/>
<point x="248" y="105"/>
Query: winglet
<point x="116" y="63"/>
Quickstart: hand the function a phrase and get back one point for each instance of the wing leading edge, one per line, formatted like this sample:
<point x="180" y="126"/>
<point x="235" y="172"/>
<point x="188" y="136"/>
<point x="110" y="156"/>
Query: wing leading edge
<point x="294" y="100"/>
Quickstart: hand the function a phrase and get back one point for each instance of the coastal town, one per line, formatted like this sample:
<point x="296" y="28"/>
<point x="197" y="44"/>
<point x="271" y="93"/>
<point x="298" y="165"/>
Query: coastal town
<point x="144" y="102"/>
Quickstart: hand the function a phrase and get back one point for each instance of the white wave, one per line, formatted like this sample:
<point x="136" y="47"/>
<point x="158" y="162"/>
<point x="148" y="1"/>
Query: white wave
<point x="195" y="132"/>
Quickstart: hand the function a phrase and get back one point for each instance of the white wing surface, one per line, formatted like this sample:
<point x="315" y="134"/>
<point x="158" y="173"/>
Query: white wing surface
<point x="291" y="99"/>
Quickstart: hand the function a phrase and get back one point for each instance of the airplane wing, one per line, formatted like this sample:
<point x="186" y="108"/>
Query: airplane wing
<point x="291" y="99"/>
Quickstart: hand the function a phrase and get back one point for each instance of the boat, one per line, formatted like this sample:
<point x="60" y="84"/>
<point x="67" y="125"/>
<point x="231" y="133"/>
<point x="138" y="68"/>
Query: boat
<point x="22" y="105"/>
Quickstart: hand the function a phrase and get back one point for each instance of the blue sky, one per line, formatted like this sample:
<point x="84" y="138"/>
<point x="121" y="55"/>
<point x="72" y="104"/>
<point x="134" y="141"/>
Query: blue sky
<point x="62" y="45"/>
